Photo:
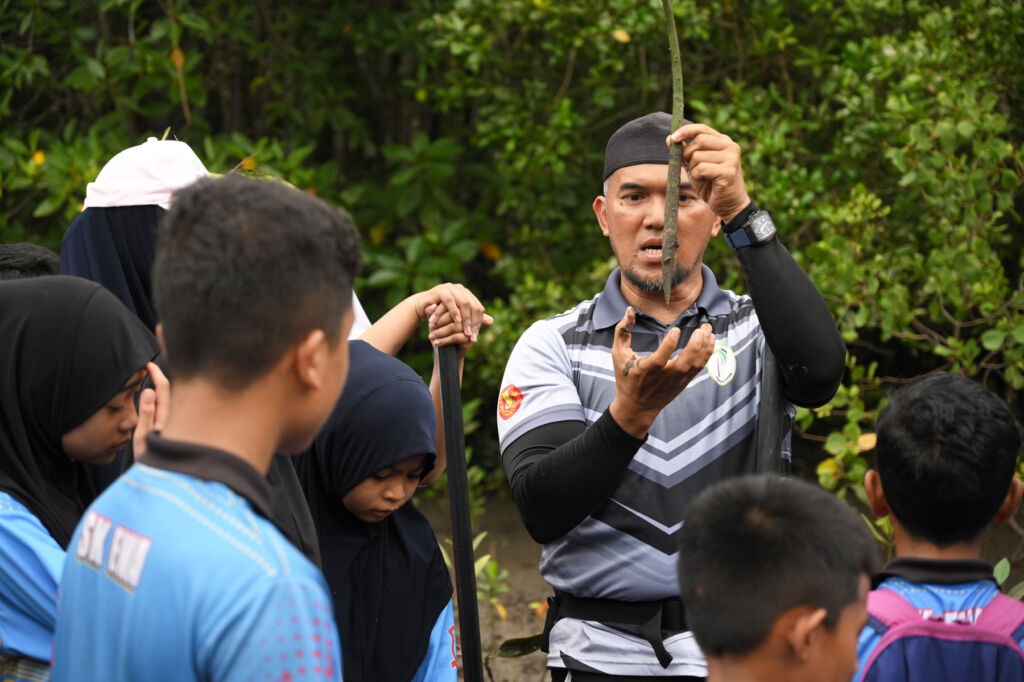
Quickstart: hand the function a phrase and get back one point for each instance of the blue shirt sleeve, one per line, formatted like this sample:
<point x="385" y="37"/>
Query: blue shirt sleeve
<point x="439" y="664"/>
<point x="31" y="563"/>
<point x="286" y="632"/>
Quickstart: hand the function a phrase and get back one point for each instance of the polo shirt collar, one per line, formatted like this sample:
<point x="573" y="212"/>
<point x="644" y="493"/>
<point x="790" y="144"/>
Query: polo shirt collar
<point x="611" y="304"/>
<point x="936" y="571"/>
<point x="209" y="464"/>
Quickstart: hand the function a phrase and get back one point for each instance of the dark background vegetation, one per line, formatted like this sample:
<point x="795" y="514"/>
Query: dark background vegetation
<point x="466" y="138"/>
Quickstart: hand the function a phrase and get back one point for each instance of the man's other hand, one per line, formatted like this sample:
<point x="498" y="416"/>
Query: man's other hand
<point x="645" y="385"/>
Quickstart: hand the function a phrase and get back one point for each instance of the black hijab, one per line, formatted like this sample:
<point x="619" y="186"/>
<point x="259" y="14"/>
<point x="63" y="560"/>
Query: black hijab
<point x="388" y="579"/>
<point x="115" y="247"/>
<point x="67" y="346"/>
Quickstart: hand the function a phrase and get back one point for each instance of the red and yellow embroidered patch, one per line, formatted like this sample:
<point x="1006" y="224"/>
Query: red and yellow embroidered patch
<point x="509" y="401"/>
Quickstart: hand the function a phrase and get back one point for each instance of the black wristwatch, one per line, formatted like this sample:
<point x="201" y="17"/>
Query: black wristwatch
<point x="757" y="229"/>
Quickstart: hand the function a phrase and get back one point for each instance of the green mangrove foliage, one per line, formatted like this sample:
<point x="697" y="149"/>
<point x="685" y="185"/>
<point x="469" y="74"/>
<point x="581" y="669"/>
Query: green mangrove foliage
<point x="466" y="137"/>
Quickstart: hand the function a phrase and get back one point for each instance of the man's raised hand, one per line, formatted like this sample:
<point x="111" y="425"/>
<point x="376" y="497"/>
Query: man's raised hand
<point x="712" y="162"/>
<point x="645" y="385"/>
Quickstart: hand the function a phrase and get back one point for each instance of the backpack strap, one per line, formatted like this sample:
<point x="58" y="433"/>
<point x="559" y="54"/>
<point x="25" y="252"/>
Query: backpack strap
<point x="1001" y="622"/>
<point x="890" y="609"/>
<point x="1005" y="615"/>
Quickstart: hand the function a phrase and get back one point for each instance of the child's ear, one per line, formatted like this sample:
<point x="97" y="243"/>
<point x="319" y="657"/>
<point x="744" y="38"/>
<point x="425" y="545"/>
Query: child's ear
<point x="876" y="495"/>
<point x="804" y="626"/>
<point x="160" y="337"/>
<point x="310" y="359"/>
<point x="1010" y="503"/>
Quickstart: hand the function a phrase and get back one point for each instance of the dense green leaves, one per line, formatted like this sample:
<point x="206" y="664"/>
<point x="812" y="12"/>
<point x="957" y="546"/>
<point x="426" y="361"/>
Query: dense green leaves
<point x="466" y="137"/>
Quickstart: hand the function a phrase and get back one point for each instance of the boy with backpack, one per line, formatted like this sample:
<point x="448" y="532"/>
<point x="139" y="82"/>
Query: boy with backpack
<point x="773" y="573"/>
<point x="176" y="572"/>
<point x="946" y="454"/>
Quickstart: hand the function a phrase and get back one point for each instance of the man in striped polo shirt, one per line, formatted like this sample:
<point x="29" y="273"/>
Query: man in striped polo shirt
<point x="615" y="414"/>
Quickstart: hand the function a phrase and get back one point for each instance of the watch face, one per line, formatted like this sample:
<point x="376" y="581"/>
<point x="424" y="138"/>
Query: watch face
<point x="761" y="226"/>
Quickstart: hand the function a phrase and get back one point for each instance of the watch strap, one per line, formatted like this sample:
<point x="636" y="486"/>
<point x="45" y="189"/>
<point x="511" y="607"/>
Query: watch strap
<point x="740" y="219"/>
<point x="756" y="228"/>
<point x="737" y="239"/>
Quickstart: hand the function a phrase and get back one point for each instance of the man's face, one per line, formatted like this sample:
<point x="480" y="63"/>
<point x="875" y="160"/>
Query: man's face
<point x="632" y="215"/>
<point x="835" y="659"/>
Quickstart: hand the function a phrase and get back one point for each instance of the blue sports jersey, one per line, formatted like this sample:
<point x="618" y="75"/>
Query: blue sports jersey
<point x="30" y="566"/>
<point x="439" y="663"/>
<point x="171" y="577"/>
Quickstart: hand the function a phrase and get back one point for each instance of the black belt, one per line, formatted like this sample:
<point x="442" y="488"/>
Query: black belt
<point x="646" y="619"/>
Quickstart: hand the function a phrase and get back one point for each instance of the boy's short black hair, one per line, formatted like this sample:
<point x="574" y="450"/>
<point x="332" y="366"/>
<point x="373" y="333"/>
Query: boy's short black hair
<point x="946" y="453"/>
<point x="243" y="270"/>
<point x="754" y="547"/>
<point x="24" y="260"/>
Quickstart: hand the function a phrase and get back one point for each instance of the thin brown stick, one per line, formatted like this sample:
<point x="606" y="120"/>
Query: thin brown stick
<point x="670" y="236"/>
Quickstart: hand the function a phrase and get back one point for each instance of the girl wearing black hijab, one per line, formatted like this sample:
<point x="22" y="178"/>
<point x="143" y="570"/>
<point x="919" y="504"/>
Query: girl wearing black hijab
<point x="391" y="589"/>
<point x="72" y="358"/>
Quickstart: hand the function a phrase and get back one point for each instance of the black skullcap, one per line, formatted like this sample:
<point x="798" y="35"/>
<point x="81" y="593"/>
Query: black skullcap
<point x="642" y="140"/>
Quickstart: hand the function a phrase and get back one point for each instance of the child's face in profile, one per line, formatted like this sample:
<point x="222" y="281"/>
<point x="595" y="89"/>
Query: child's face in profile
<point x="375" y="498"/>
<point x="109" y="430"/>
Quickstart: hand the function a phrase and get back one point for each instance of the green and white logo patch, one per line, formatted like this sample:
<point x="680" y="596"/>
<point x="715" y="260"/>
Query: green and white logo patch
<point x="722" y="365"/>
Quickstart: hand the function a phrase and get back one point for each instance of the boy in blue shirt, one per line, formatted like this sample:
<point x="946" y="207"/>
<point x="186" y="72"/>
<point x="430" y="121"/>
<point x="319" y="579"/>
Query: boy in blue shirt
<point x="946" y="454"/>
<point x="175" y="572"/>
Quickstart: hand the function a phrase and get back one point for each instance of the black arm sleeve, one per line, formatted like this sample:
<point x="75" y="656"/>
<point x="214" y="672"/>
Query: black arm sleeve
<point x="797" y="324"/>
<point x="560" y="472"/>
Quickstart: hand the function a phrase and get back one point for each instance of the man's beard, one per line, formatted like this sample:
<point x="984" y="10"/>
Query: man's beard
<point x="680" y="275"/>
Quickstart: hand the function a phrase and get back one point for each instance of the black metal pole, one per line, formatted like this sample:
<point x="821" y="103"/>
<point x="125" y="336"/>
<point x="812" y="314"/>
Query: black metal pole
<point x="462" y="527"/>
<point x="771" y="419"/>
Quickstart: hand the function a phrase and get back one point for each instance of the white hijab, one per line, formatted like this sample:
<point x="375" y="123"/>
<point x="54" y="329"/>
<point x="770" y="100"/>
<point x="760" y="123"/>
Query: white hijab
<point x="144" y="175"/>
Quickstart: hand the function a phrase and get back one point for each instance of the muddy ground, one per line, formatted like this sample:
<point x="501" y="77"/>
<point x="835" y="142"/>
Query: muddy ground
<point x="508" y="542"/>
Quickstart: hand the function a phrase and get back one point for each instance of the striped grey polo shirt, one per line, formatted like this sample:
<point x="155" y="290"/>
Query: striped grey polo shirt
<point x="561" y="370"/>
